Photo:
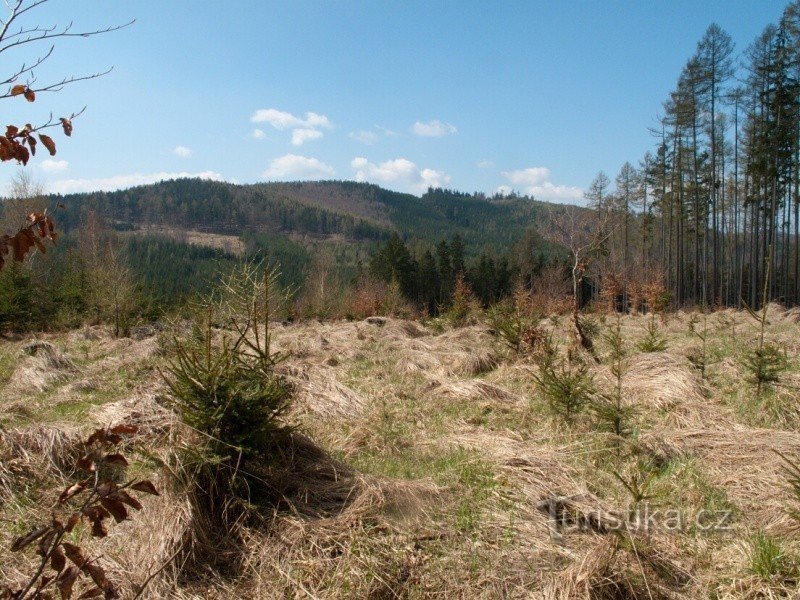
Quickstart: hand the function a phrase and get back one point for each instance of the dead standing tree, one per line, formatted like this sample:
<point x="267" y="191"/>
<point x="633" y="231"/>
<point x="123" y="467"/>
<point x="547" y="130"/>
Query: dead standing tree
<point x="19" y="33"/>
<point x="578" y="230"/>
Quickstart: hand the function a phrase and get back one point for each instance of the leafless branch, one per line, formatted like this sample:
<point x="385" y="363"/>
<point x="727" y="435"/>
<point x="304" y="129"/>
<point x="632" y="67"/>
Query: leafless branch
<point x="37" y="33"/>
<point x="25" y="68"/>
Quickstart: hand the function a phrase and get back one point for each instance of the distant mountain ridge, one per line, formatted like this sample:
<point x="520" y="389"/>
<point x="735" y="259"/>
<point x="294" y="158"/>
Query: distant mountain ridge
<point x="349" y="210"/>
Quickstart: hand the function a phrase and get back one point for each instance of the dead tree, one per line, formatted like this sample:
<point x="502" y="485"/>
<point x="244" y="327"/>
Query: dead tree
<point x="578" y="231"/>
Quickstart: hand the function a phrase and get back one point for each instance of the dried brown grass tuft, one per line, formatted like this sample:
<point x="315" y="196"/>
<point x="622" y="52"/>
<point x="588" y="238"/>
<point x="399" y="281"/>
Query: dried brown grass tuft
<point x="318" y="391"/>
<point x="472" y="389"/>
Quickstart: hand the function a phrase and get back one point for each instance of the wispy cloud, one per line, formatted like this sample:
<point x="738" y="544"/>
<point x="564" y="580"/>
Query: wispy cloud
<point x="484" y="164"/>
<point x="433" y="128"/>
<point x="48" y="165"/>
<point x="400" y="173"/>
<point x="258" y="134"/>
<point x="119" y="182"/>
<point x="386" y="131"/>
<point x="294" y="167"/>
<point x="535" y="181"/>
<point x="363" y="136"/>
<point x="303" y="128"/>
<point x="182" y="151"/>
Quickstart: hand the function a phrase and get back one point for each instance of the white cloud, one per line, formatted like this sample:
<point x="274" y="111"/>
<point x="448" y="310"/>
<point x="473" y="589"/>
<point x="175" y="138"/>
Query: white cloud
<point x="258" y="134"/>
<point x="365" y="137"/>
<point x="283" y="120"/>
<point x="400" y="173"/>
<point x="118" y="182"/>
<point x="48" y="165"/>
<point x="484" y="164"/>
<point x="535" y="181"/>
<point x="504" y="190"/>
<point x="434" y="128"/>
<point x="302" y="135"/>
<point x="182" y="151"/>
<point x="294" y="167"/>
<point x="386" y="132"/>
<point x="303" y="128"/>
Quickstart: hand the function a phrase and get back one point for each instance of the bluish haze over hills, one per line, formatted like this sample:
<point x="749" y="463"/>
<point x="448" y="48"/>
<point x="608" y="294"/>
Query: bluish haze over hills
<point x="534" y="96"/>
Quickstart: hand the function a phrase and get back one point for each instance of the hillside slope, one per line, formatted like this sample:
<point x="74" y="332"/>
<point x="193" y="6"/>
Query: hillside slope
<point x="353" y="211"/>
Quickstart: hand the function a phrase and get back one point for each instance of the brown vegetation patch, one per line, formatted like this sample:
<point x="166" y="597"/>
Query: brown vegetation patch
<point x="743" y="461"/>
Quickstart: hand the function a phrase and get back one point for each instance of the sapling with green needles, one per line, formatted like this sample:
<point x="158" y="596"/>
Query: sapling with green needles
<point x="611" y="410"/>
<point x="654" y="340"/>
<point x="699" y="356"/>
<point x="566" y="383"/>
<point x="766" y="362"/>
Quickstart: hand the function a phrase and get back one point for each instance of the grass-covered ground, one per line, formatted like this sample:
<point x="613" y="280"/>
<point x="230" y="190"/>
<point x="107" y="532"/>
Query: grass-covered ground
<point x="447" y="462"/>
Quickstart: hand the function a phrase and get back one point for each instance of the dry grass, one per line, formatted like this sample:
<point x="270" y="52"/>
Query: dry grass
<point x="427" y="468"/>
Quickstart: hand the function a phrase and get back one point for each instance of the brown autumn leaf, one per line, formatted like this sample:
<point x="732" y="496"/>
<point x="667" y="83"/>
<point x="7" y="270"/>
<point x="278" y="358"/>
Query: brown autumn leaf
<point x="124" y="429"/>
<point x="30" y="95"/>
<point x="31" y="144"/>
<point x="106" y="488"/>
<point x="17" y="90"/>
<point x="116" y="459"/>
<point x="11" y="131"/>
<point x="66" y="581"/>
<point x="116" y="508"/>
<point x="98" y="575"/>
<point x="43" y="547"/>
<point x="126" y="498"/>
<point x="23" y="541"/>
<point x="145" y="487"/>
<point x="6" y="149"/>
<point x="86" y="463"/>
<point x="67" y="125"/>
<point x="91" y="593"/>
<point x="45" y="225"/>
<point x="21" y="244"/>
<point x="99" y="529"/>
<point x="57" y="559"/>
<point x="113" y="439"/>
<point x="73" y="520"/>
<point x="95" y="512"/>
<point x="21" y="154"/>
<point x="70" y="492"/>
<point x="74" y="554"/>
<point x="48" y="143"/>
<point x="98" y="435"/>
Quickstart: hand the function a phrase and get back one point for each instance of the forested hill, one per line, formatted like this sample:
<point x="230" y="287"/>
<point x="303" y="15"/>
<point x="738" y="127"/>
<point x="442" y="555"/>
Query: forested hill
<point x="350" y="210"/>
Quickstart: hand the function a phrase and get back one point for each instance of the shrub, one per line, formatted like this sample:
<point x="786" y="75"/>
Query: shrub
<point x="610" y="408"/>
<point x="515" y="320"/>
<point x="464" y="304"/>
<point x="566" y="383"/>
<point x="653" y="341"/>
<point x="765" y="362"/>
<point x="699" y="356"/>
<point x="225" y="385"/>
<point x="765" y="365"/>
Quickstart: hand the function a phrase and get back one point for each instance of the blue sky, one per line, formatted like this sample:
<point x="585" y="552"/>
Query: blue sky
<point x="536" y="96"/>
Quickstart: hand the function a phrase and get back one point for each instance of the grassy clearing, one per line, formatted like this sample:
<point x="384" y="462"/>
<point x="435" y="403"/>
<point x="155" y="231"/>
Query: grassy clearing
<point x="444" y="447"/>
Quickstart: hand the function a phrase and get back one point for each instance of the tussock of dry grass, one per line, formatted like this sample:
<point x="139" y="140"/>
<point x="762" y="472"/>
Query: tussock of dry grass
<point x="319" y="392"/>
<point x="471" y="389"/>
